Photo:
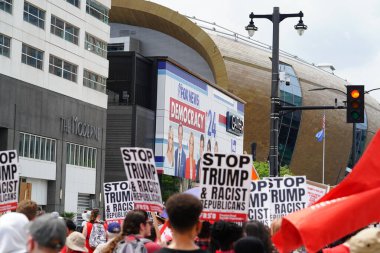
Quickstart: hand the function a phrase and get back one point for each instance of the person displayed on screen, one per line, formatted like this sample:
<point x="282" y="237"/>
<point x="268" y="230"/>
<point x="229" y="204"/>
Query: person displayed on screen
<point x="208" y="146"/>
<point x="190" y="161"/>
<point x="201" y="148"/>
<point x="180" y="156"/>
<point x="169" y="159"/>
<point x="216" y="149"/>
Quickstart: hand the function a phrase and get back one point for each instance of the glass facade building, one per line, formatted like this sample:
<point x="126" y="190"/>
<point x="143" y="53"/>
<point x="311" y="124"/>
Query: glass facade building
<point x="290" y="95"/>
<point x="360" y="140"/>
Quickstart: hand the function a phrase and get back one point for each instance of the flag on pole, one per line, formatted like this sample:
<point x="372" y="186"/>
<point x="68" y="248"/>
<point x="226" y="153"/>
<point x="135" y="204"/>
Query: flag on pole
<point x="321" y="134"/>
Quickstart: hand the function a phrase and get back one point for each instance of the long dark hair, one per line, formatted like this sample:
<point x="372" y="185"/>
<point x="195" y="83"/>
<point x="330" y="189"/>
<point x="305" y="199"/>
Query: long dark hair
<point x="259" y="230"/>
<point x="131" y="226"/>
<point x="94" y="215"/>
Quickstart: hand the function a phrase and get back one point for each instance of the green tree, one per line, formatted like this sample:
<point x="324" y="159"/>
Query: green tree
<point x="169" y="186"/>
<point x="262" y="169"/>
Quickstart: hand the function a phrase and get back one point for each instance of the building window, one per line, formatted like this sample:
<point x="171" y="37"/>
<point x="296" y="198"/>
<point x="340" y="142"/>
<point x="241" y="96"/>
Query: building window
<point x="34" y="15"/>
<point x="290" y="95"/>
<point x="96" y="45"/>
<point x="115" y="47"/>
<point x="81" y="155"/>
<point x="94" y="81"/>
<point x="5" y="45"/>
<point x="6" y="5"/>
<point x="64" y="30"/>
<point x="37" y="147"/>
<point x="63" y="68"/>
<point x="76" y="3"/>
<point x="31" y="56"/>
<point x="97" y="10"/>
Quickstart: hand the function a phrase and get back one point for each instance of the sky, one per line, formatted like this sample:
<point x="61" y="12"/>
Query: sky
<point x="341" y="32"/>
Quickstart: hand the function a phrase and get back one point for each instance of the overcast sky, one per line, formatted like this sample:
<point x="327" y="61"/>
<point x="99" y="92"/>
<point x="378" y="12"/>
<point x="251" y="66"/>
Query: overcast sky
<point x="342" y="33"/>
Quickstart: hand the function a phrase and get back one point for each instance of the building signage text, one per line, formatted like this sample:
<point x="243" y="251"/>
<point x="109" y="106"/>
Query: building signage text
<point x="74" y="126"/>
<point x="235" y="124"/>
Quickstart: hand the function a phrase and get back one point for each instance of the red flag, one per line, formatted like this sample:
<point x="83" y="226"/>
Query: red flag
<point x="365" y="175"/>
<point x="353" y="204"/>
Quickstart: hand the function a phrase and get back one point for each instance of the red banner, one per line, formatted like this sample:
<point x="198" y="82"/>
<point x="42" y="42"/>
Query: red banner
<point x="231" y="217"/>
<point x="353" y="204"/>
<point x="148" y="207"/>
<point x="187" y="115"/>
<point x="8" y="207"/>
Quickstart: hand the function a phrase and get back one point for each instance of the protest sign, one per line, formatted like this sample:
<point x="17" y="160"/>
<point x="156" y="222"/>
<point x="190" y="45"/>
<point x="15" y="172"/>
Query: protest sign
<point x="288" y="194"/>
<point x="143" y="179"/>
<point x="315" y="191"/>
<point x="225" y="186"/>
<point x="118" y="200"/>
<point x="259" y="203"/>
<point x="9" y="180"/>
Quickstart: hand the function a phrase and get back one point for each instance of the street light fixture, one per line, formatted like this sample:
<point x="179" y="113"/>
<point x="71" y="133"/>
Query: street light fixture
<point x="276" y="18"/>
<point x="300" y="27"/>
<point x="251" y="28"/>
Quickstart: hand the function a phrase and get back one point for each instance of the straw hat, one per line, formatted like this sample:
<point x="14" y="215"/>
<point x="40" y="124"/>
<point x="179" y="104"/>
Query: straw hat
<point x="76" y="241"/>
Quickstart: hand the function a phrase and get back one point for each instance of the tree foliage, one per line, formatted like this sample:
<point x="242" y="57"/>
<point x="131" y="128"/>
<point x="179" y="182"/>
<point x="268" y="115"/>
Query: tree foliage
<point x="262" y="169"/>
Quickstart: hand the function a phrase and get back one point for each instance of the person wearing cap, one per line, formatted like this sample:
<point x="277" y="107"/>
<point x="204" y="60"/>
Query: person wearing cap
<point x="112" y="231"/>
<point x="47" y="234"/>
<point x="76" y="243"/>
<point x="13" y="233"/>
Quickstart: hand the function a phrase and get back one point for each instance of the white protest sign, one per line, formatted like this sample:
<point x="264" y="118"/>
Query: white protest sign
<point x="142" y="175"/>
<point x="9" y="180"/>
<point x="260" y="202"/>
<point x="225" y="186"/>
<point x="288" y="194"/>
<point x="118" y="200"/>
<point x="315" y="191"/>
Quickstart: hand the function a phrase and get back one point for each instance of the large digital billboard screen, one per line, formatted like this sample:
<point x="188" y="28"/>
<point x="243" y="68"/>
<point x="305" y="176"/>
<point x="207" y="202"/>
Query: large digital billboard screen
<point x="193" y="117"/>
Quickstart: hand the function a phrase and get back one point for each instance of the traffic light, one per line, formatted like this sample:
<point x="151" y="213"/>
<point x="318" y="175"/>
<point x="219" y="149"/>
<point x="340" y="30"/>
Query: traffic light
<point x="355" y="103"/>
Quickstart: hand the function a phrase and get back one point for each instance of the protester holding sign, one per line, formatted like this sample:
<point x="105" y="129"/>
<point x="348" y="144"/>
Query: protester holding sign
<point x="136" y="227"/>
<point x="225" y="183"/>
<point x="142" y="177"/>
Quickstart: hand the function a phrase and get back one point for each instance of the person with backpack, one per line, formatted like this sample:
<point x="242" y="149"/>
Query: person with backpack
<point x="136" y="227"/>
<point x="94" y="231"/>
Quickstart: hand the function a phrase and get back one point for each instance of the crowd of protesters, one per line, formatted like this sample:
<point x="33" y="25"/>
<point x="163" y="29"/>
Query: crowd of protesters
<point x="30" y="230"/>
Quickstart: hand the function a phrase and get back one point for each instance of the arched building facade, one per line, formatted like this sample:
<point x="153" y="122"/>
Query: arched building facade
<point x="244" y="70"/>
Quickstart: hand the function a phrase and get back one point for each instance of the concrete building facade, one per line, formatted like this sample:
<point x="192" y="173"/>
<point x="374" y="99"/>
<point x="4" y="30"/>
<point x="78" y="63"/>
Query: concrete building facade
<point x="53" y="58"/>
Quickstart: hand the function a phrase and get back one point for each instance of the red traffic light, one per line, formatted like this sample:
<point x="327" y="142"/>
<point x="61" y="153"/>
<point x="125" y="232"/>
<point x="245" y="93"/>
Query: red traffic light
<point x="355" y="93"/>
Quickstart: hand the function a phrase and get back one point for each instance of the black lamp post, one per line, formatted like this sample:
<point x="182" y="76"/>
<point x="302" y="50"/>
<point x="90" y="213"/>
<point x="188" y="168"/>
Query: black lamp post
<point x="276" y="18"/>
